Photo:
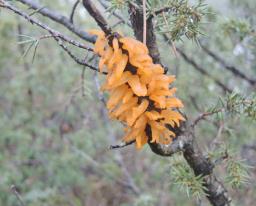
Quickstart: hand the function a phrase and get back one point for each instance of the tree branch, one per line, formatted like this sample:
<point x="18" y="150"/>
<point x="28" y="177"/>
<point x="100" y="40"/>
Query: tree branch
<point x="55" y="34"/>
<point x="136" y="17"/>
<point x="77" y="60"/>
<point x="205" y="114"/>
<point x="63" y="20"/>
<point x="71" y="18"/>
<point x="121" y="145"/>
<point x="185" y="141"/>
<point x="202" y="71"/>
<point x="121" y="19"/>
<point x="95" y="13"/>
<point x="230" y="68"/>
<point x="15" y="191"/>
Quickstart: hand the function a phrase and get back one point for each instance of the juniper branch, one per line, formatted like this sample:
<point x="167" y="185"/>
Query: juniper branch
<point x="95" y="13"/>
<point x="55" y="34"/>
<point x="216" y="192"/>
<point x="59" y="18"/>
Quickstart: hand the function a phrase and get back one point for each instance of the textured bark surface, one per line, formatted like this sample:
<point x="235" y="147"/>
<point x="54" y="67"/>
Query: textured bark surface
<point x="215" y="190"/>
<point x="185" y="141"/>
<point x="95" y="13"/>
<point x="136" y="17"/>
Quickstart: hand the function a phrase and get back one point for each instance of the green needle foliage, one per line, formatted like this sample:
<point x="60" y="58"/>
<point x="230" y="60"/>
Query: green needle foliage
<point x="185" y="179"/>
<point x="54" y="139"/>
<point x="237" y="173"/>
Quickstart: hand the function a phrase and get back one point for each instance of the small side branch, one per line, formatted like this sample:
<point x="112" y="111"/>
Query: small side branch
<point x="15" y="191"/>
<point x="57" y="17"/>
<point x="136" y="18"/>
<point x="43" y="26"/>
<point x="202" y="71"/>
<point x="179" y="144"/>
<point x="71" y="18"/>
<point x="121" y="19"/>
<point x="121" y="145"/>
<point x="228" y="67"/>
<point x="144" y="23"/>
<point x="55" y="34"/>
<point x="204" y="115"/>
<point x="77" y="60"/>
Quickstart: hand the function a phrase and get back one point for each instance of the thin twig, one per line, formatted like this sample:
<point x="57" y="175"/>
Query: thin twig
<point x="82" y="82"/>
<point x="99" y="93"/>
<point x="77" y="60"/>
<point x="121" y="19"/>
<point x="121" y="145"/>
<point x="55" y="34"/>
<point x="144" y="22"/>
<point x="43" y="26"/>
<point x="196" y="66"/>
<point x="36" y="11"/>
<point x="57" y="17"/>
<point x="16" y="193"/>
<point x="172" y="43"/>
<point x="204" y="115"/>
<point x="160" y="11"/>
<point x="237" y="72"/>
<point x="71" y="18"/>
<point x="95" y="13"/>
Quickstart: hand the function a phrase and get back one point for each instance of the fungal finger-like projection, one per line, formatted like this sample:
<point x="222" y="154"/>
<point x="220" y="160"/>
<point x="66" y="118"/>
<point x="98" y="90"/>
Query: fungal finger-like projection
<point x="140" y="92"/>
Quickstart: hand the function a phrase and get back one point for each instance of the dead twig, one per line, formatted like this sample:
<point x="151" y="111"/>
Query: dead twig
<point x="121" y="145"/>
<point x="144" y="22"/>
<point x="57" y="17"/>
<point x="204" y="115"/>
<point x="16" y="193"/>
<point x="95" y="13"/>
<point x="71" y="18"/>
<point x="235" y="71"/>
<point x="172" y="43"/>
<point x="55" y="34"/>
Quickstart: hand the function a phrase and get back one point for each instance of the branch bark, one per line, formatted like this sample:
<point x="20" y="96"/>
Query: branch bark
<point x="185" y="141"/>
<point x="230" y="68"/>
<point x="59" y="18"/>
<point x="203" y="71"/>
<point x="136" y="17"/>
<point x="55" y="34"/>
<point x="95" y="13"/>
<point x="71" y="18"/>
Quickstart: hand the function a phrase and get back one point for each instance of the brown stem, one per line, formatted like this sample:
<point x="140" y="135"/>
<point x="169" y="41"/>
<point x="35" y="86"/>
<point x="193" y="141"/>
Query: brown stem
<point x="55" y="34"/>
<point x="136" y="17"/>
<point x="59" y="18"/>
<point x="228" y="67"/>
<point x="95" y="13"/>
<point x="185" y="141"/>
<point x="71" y="18"/>
<point x="203" y="71"/>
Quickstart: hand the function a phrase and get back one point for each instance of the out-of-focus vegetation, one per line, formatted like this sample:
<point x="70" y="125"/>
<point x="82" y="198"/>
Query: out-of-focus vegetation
<point x="55" y="134"/>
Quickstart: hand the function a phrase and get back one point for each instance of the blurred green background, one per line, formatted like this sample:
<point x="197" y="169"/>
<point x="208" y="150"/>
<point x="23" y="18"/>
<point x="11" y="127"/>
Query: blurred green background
<point x="55" y="133"/>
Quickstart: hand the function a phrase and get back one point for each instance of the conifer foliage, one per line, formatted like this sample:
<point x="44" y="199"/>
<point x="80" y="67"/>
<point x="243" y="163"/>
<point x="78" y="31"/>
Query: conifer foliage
<point x="140" y="93"/>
